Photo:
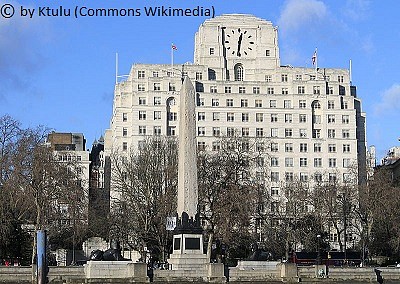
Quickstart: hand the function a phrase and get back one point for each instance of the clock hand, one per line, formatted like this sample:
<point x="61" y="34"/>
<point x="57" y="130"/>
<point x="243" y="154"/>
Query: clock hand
<point x="239" y="44"/>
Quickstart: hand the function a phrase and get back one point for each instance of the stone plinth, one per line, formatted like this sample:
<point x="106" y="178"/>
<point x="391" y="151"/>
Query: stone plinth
<point x="188" y="252"/>
<point x="209" y="273"/>
<point x="116" y="270"/>
<point x="288" y="272"/>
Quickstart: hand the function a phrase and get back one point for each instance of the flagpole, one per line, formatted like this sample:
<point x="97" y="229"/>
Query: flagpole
<point x="172" y="58"/>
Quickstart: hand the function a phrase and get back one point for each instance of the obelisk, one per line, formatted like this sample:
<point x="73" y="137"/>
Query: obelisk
<point x="187" y="154"/>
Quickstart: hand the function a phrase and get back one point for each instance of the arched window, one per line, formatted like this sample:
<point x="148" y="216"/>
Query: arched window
<point x="238" y="72"/>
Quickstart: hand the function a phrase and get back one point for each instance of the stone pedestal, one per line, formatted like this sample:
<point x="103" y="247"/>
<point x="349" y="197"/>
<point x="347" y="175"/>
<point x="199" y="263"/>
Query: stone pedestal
<point x="97" y="270"/>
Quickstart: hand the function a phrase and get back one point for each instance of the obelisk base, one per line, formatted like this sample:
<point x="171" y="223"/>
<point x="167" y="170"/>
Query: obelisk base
<point x="188" y="252"/>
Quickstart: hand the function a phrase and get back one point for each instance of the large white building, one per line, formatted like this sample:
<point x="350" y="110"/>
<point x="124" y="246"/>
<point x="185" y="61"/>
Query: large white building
<point x="312" y="117"/>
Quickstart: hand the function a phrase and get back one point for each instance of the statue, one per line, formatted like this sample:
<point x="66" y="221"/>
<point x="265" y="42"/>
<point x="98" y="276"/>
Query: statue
<point x="259" y="254"/>
<point x="112" y="254"/>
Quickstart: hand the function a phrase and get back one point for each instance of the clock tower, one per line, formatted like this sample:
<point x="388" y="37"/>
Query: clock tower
<point x="237" y="47"/>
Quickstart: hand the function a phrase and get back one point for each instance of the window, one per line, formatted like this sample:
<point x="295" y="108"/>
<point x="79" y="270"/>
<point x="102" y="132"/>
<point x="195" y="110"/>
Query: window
<point x="172" y="116"/>
<point x="172" y="87"/>
<point x="346" y="148"/>
<point x="318" y="162"/>
<point x="238" y="69"/>
<point x="272" y="103"/>
<point x="124" y="146"/>
<point x="346" y="133"/>
<point x="274" y="162"/>
<point x="340" y="79"/>
<point x="260" y="161"/>
<point x="212" y="50"/>
<point x="270" y="91"/>
<point x="275" y="176"/>
<point x="157" y="115"/>
<point x="216" y="146"/>
<point x="331" y="133"/>
<point x="345" y="119"/>
<point x="229" y="102"/>
<point x="318" y="177"/>
<point x="258" y="103"/>
<point x="244" y="103"/>
<point x="141" y="74"/>
<point x="345" y="105"/>
<point x="316" y="105"/>
<point x="157" y="101"/>
<point x="230" y="116"/>
<point x="256" y="90"/>
<point x="317" y="147"/>
<point x="242" y="90"/>
<point x="346" y="163"/>
<point x="302" y="104"/>
<point x="142" y="130"/>
<point x="245" y="117"/>
<point x="303" y="177"/>
<point x="303" y="147"/>
<point x="331" y="118"/>
<point x="288" y="162"/>
<point x="302" y="118"/>
<point x="288" y="118"/>
<point x="316" y="90"/>
<point x="330" y="90"/>
<point x="274" y="132"/>
<point x="260" y="146"/>
<point x="289" y="176"/>
<point x="201" y="145"/>
<point x="317" y="119"/>
<point x="213" y="89"/>
<point x="267" y="52"/>
<point x="199" y="76"/>
<point x="228" y="90"/>
<point x="155" y="73"/>
<point x="303" y="162"/>
<point x="142" y="115"/>
<point x="171" y="130"/>
<point x="332" y="162"/>
<point x="201" y="131"/>
<point x="259" y="132"/>
<point x="331" y="104"/>
<point x="274" y="191"/>
<point x="316" y="133"/>
<point x="288" y="132"/>
<point x="215" y="116"/>
<point x="212" y="75"/>
<point x="230" y="131"/>
<point x="201" y="116"/>
<point x="274" y="147"/>
<point x="287" y="104"/>
<point x="141" y="88"/>
<point x="274" y="117"/>
<point x="216" y="131"/>
<point x="124" y="131"/>
<point x="156" y="86"/>
<point x="124" y="117"/>
<point x="332" y="177"/>
<point x="312" y="77"/>
<point x="200" y="101"/>
<point x="331" y="148"/>
<point x="245" y="131"/>
<point x="215" y="102"/>
<point x="299" y="77"/>
<point x="288" y="147"/>
<point x="157" y="130"/>
<point x="259" y="117"/>
<point x="284" y="77"/>
<point x="268" y="78"/>
<point x="285" y="91"/>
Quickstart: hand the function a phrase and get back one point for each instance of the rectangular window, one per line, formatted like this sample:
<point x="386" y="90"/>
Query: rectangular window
<point x="285" y="91"/>
<point x="230" y="116"/>
<point x="288" y="147"/>
<point x="157" y="101"/>
<point x="268" y="78"/>
<point x="157" y="87"/>
<point x="284" y="77"/>
<point x="312" y="77"/>
<point x="301" y="90"/>
<point x="274" y="191"/>
<point x="213" y="89"/>
<point x="346" y="163"/>
<point x="216" y="131"/>
<point x="332" y="162"/>
<point x="274" y="117"/>
<point x="228" y="90"/>
<point x="317" y="147"/>
<point x="303" y="162"/>
<point x="331" y="148"/>
<point x="199" y="76"/>
<point x="272" y="103"/>
<point x="316" y="90"/>
<point x="302" y="104"/>
<point x="229" y="102"/>
<point x="242" y="90"/>
<point x="275" y="176"/>
<point x="201" y="131"/>
<point x="157" y="130"/>
<point x="201" y="116"/>
<point x="260" y="161"/>
<point x="259" y="117"/>
<point x="259" y="132"/>
<point x="212" y="50"/>
<point x="256" y="90"/>
<point x="215" y="116"/>
<point x="331" y="118"/>
<point x="270" y="91"/>
<point x="340" y="79"/>
<point x="172" y="87"/>
<point x="124" y="117"/>
<point x="289" y="162"/>
<point x="303" y="147"/>
<point x="141" y="88"/>
<point x="260" y="146"/>
<point x="274" y="162"/>
<point x="155" y="73"/>
<point x="258" y="103"/>
<point x="124" y="146"/>
<point x="245" y="132"/>
<point x="303" y="177"/>
<point x="289" y="176"/>
<point x="330" y="90"/>
<point x="157" y="115"/>
<point x="299" y="77"/>
<point x="200" y="101"/>
<point x="288" y="132"/>
<point x="345" y="119"/>
<point x="141" y="74"/>
<point x="318" y="177"/>
<point x="303" y="133"/>
<point x="244" y="103"/>
<point x="216" y="146"/>
<point x="245" y="117"/>
<point x="230" y="131"/>
<point x="316" y="119"/>
<point x="201" y="146"/>
<point x="172" y="116"/>
<point x="331" y="104"/>
<point x="288" y="118"/>
<point x="332" y="177"/>
<point x="142" y="115"/>
<point x="346" y="148"/>
<point x="124" y="131"/>
<point x="274" y="147"/>
<point x="346" y="133"/>
<point x="274" y="132"/>
<point x="317" y="162"/>
<point x="215" y="102"/>
<point x="287" y="104"/>
<point x="345" y="105"/>
<point x="331" y="133"/>
<point x="142" y="130"/>
<point x="316" y="133"/>
<point x="267" y="52"/>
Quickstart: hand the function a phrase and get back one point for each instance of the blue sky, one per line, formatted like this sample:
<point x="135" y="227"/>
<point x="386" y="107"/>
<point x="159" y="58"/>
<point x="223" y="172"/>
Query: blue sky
<point x="60" y="71"/>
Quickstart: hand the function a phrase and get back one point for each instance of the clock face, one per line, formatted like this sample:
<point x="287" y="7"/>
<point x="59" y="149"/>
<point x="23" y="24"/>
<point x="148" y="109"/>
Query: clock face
<point x="238" y="42"/>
